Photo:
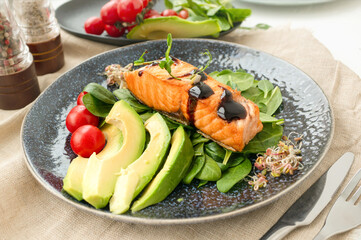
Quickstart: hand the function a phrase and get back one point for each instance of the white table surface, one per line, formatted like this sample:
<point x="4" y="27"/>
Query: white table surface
<point x="336" y="24"/>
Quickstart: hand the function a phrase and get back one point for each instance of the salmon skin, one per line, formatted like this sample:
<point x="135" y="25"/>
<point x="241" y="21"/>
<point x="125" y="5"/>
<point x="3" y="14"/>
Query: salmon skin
<point x="194" y="98"/>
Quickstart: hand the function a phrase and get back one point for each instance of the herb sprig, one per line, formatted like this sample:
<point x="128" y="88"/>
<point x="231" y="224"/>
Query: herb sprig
<point x="167" y="62"/>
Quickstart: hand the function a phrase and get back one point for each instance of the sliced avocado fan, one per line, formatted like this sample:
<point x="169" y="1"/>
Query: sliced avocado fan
<point x="137" y="175"/>
<point x="100" y="173"/>
<point x="174" y="169"/>
<point x="73" y="181"/>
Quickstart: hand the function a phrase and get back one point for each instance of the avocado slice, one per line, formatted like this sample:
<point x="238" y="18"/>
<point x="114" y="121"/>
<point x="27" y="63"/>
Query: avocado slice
<point x="72" y="183"/>
<point x="158" y="28"/>
<point x="173" y="171"/>
<point x="137" y="175"/>
<point x="101" y="171"/>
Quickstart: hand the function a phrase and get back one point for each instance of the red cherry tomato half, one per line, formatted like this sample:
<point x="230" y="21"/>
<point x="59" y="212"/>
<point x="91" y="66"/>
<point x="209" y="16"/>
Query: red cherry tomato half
<point x="183" y="14"/>
<point x="94" y="25"/>
<point x="169" y="12"/>
<point x="128" y="9"/>
<point x="109" y="13"/>
<point x="113" y="31"/>
<point x="79" y="99"/>
<point x="79" y="116"/>
<point x="86" y="140"/>
<point x="151" y="13"/>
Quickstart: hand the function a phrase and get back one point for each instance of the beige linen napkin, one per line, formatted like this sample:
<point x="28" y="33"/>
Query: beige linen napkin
<point x="28" y="211"/>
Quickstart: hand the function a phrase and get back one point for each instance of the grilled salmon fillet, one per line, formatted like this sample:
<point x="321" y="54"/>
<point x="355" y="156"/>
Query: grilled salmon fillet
<point x="216" y="110"/>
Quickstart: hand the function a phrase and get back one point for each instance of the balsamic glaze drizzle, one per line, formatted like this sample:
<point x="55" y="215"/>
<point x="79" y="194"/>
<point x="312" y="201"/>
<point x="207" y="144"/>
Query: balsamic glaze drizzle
<point x="229" y="109"/>
<point x="199" y="91"/>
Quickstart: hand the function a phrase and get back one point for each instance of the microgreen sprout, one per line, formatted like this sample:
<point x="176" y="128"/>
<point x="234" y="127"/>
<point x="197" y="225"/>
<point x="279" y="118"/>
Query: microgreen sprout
<point x="140" y="61"/>
<point x="282" y="159"/>
<point x="258" y="181"/>
<point x="168" y="62"/>
<point x="201" y="69"/>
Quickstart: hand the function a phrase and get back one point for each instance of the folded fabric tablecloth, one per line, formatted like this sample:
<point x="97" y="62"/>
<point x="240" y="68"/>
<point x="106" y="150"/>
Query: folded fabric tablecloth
<point x="28" y="211"/>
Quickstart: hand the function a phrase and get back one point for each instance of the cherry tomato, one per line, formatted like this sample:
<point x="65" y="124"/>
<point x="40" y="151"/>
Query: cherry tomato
<point x="86" y="140"/>
<point x="79" y="116"/>
<point x="145" y="3"/>
<point x="113" y="31"/>
<point x="109" y="13"/>
<point x="183" y="14"/>
<point x="128" y="9"/>
<point x="94" y="25"/>
<point x="169" y="12"/>
<point x="79" y="99"/>
<point x="151" y="13"/>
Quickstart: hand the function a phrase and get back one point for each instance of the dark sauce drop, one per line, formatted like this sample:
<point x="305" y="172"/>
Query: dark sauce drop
<point x="229" y="109"/>
<point x="198" y="91"/>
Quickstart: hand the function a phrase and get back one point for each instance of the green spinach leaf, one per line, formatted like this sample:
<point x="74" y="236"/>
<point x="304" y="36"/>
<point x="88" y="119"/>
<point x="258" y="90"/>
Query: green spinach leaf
<point x="210" y="170"/>
<point x="96" y="106"/>
<point x="197" y="138"/>
<point x="266" y="86"/>
<point x="273" y="100"/>
<point x="236" y="159"/>
<point x="268" y="137"/>
<point x="100" y="93"/>
<point x="265" y="118"/>
<point x="215" y="151"/>
<point x="197" y="164"/>
<point x="233" y="175"/>
<point x="236" y="80"/>
<point x="202" y="183"/>
<point x="124" y="94"/>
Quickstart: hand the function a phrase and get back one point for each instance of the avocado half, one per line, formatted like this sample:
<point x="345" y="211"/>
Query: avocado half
<point x="101" y="171"/>
<point x="73" y="181"/>
<point x="174" y="169"/>
<point x="137" y="175"/>
<point x="158" y="28"/>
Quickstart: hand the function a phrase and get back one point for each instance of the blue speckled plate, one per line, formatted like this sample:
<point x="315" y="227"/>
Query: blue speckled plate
<point x="305" y="110"/>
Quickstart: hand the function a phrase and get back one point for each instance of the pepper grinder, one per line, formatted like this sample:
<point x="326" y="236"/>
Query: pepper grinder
<point x="42" y="33"/>
<point x="18" y="81"/>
